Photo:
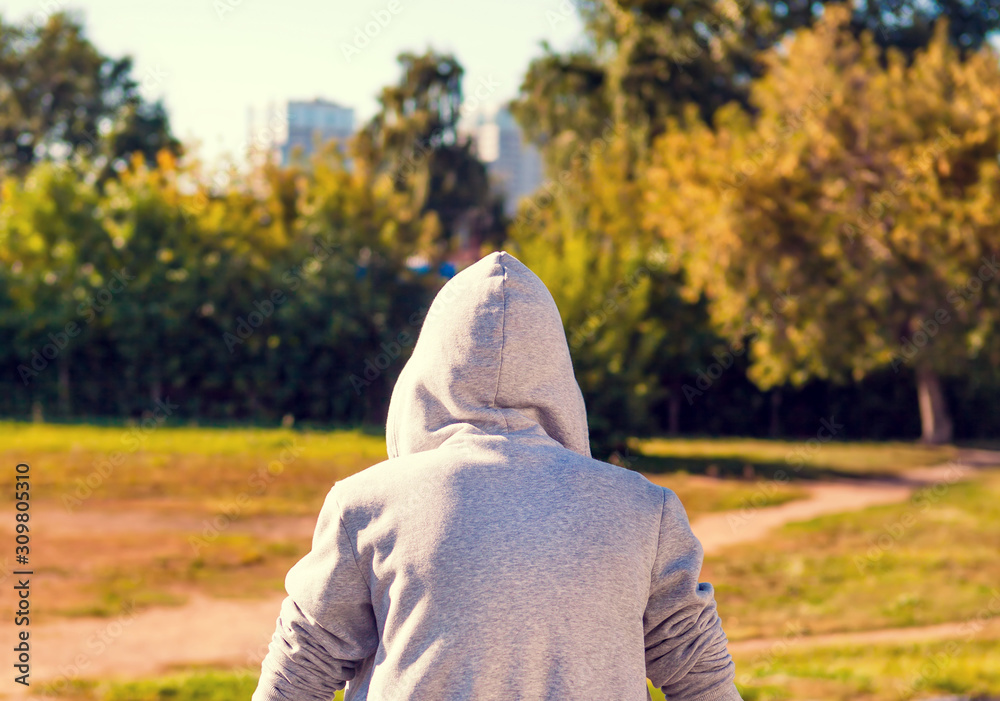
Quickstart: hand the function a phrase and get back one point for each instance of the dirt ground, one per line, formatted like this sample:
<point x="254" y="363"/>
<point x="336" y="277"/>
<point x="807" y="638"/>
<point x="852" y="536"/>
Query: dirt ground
<point x="236" y="632"/>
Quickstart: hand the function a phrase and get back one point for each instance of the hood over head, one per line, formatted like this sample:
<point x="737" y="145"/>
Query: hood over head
<point x="491" y="358"/>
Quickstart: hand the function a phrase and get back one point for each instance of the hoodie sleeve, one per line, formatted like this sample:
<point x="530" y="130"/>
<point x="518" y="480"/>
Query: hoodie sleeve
<point x="326" y="627"/>
<point x="686" y="655"/>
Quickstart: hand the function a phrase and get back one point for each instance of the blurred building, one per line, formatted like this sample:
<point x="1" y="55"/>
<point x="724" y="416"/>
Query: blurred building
<point x="514" y="164"/>
<point x="316" y="121"/>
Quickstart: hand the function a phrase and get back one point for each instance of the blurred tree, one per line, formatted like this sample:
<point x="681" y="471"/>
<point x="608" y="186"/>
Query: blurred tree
<point x="415" y="142"/>
<point x="632" y="338"/>
<point x="854" y="224"/>
<point x="59" y="96"/>
<point x="608" y="97"/>
<point x="563" y="102"/>
<point x="349" y="311"/>
<point x="275" y="294"/>
<point x="48" y="225"/>
<point x="644" y="60"/>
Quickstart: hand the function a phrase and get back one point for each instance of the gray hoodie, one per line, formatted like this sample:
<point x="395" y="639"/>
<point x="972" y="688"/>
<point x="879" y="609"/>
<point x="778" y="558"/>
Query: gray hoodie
<point x="490" y="557"/>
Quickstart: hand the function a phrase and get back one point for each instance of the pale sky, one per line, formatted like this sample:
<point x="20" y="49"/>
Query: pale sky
<point x="213" y="60"/>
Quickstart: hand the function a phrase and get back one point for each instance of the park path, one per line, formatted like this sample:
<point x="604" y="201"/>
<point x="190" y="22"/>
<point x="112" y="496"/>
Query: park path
<point x="916" y="634"/>
<point x="235" y="632"/>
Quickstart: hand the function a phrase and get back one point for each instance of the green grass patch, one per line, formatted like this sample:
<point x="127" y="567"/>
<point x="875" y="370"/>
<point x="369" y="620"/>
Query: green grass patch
<point x="188" y="440"/>
<point x="198" y="685"/>
<point x="271" y="471"/>
<point x="797" y="459"/>
<point x="230" y="566"/>
<point x="964" y="665"/>
<point x="930" y="560"/>
<point x="701" y="495"/>
<point x="888" y="672"/>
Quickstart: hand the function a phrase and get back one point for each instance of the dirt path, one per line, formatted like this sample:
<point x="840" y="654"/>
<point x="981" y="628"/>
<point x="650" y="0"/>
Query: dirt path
<point x="717" y="531"/>
<point x="234" y="632"/>
<point x="203" y="631"/>
<point x="944" y="631"/>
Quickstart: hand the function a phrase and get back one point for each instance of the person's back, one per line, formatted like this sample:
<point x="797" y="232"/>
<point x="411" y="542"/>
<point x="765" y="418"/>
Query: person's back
<point x="490" y="557"/>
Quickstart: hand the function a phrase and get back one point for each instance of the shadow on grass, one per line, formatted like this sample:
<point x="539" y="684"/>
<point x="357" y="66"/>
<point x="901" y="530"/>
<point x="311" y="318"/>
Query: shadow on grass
<point x="746" y="468"/>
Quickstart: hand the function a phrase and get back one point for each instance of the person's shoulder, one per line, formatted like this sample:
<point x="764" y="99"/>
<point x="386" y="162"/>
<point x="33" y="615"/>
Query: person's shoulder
<point x="368" y="481"/>
<point x="622" y="479"/>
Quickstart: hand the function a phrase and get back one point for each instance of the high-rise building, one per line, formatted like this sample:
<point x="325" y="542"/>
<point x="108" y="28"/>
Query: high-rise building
<point x="514" y="164"/>
<point x="312" y="122"/>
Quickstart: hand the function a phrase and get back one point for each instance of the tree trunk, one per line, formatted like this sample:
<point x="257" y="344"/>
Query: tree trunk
<point x="674" y="409"/>
<point x="64" y="405"/>
<point x="156" y="387"/>
<point x="774" y="427"/>
<point x="935" y="423"/>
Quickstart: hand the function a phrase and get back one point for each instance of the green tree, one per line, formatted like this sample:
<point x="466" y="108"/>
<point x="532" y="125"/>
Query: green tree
<point x="414" y="141"/>
<point x="853" y="224"/>
<point x="48" y="225"/>
<point x="60" y="96"/>
<point x="563" y="103"/>
<point x="632" y="338"/>
<point x="643" y="61"/>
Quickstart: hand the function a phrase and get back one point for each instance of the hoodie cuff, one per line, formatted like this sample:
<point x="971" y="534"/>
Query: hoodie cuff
<point x="726" y="693"/>
<point x="268" y="693"/>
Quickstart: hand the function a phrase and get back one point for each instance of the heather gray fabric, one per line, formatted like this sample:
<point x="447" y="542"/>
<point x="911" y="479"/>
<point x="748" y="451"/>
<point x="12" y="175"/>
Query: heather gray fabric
<point x="491" y="557"/>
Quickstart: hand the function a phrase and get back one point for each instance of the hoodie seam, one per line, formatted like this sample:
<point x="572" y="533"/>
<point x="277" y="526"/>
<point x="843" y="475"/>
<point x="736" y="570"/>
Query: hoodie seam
<point x="354" y="552"/>
<point x="503" y="337"/>
<point x="659" y="532"/>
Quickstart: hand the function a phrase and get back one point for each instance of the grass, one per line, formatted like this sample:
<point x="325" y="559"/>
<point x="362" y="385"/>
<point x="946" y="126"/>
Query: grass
<point x="136" y="571"/>
<point x="885" y="672"/>
<point x="198" y="685"/>
<point x="888" y="672"/>
<point x="187" y="440"/>
<point x="930" y="560"/>
<point x="936" y="561"/>
<point x="187" y="477"/>
<point x="703" y="495"/>
<point x="281" y="471"/>
<point x="814" y="460"/>
<point x="192" y="475"/>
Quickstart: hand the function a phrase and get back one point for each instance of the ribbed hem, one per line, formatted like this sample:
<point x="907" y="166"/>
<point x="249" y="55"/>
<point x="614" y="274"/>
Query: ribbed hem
<point x="726" y="693"/>
<point x="268" y="693"/>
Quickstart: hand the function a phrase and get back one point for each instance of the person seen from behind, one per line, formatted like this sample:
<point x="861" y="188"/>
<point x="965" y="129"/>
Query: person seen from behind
<point x="491" y="557"/>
